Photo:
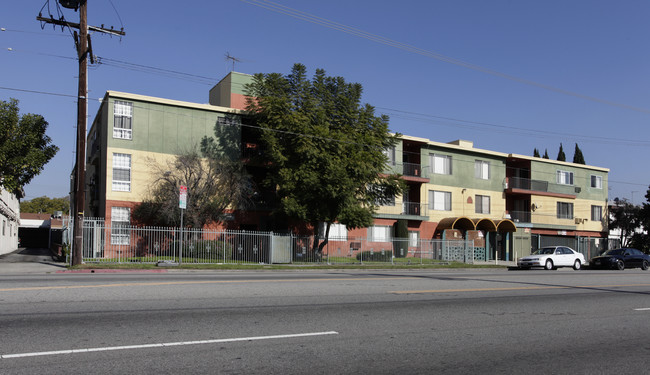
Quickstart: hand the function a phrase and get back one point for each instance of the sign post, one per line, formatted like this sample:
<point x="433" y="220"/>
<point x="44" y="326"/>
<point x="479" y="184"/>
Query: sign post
<point x="182" y="204"/>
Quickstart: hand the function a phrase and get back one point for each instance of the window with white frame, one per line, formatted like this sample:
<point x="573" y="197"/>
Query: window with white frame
<point x="440" y="200"/>
<point x="440" y="164"/>
<point x="121" y="172"/>
<point x="390" y="154"/>
<point x="564" y="210"/>
<point x="482" y="204"/>
<point x="338" y="232"/>
<point x="379" y="233"/>
<point x="414" y="238"/>
<point x="565" y="178"/>
<point x="120" y="220"/>
<point x="122" y="120"/>
<point x="482" y="169"/>
<point x="596" y="182"/>
<point x="596" y="213"/>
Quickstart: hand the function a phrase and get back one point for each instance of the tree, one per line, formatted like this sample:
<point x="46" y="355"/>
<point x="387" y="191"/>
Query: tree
<point x="641" y="238"/>
<point x="213" y="186"/>
<point x="536" y="153"/>
<point x="24" y="147"/>
<point x="577" y="156"/>
<point x="560" y="155"/>
<point x="45" y="205"/>
<point x="325" y="150"/>
<point x="545" y="154"/>
<point x="625" y="217"/>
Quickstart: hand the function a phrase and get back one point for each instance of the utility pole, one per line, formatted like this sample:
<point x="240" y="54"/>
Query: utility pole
<point x="84" y="51"/>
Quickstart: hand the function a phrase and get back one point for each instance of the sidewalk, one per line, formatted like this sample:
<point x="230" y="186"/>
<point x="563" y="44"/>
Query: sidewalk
<point x="29" y="261"/>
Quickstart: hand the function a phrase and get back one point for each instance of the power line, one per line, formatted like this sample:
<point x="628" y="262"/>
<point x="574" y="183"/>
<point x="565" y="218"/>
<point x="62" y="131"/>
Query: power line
<point x="278" y="8"/>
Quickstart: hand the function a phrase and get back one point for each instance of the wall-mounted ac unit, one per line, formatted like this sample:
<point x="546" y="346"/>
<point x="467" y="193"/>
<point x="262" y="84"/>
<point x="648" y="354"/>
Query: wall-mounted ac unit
<point x="578" y="189"/>
<point x="579" y="220"/>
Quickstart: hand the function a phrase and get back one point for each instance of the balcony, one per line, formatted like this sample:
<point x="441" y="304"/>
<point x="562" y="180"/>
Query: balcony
<point x="414" y="172"/>
<point x="520" y="216"/>
<point x="538" y="187"/>
<point x="414" y="208"/>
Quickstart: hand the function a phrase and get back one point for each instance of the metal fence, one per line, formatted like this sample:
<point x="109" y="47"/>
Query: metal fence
<point x="104" y="243"/>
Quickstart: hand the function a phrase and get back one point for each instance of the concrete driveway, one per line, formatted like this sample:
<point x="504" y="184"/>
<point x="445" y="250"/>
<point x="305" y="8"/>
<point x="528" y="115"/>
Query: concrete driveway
<point x="29" y="260"/>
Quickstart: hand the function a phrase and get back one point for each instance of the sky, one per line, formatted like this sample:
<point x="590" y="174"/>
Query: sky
<point x="509" y="75"/>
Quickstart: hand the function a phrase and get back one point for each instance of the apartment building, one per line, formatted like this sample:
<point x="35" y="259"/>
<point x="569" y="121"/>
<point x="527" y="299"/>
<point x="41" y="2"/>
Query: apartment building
<point x="507" y="204"/>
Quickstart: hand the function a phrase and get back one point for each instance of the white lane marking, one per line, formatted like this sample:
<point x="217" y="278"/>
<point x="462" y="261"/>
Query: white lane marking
<point x="165" y="344"/>
<point x="643" y="309"/>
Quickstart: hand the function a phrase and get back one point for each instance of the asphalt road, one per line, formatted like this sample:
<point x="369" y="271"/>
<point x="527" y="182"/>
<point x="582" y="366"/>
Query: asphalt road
<point x="379" y="322"/>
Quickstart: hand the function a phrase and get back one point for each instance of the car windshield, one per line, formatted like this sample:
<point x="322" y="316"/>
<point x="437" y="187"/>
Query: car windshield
<point x="544" y="250"/>
<point x="615" y="252"/>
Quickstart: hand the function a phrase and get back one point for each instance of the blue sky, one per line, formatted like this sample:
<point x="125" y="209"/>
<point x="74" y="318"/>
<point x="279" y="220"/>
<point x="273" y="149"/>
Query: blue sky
<point x="541" y="72"/>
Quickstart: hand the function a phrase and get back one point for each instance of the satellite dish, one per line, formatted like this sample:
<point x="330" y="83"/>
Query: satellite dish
<point x="70" y="4"/>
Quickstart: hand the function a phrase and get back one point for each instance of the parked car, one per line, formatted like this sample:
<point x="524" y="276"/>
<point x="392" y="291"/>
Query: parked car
<point x="621" y="259"/>
<point x="552" y="257"/>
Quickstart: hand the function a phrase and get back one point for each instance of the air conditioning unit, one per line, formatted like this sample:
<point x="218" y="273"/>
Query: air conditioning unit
<point x="578" y="189"/>
<point x="579" y="220"/>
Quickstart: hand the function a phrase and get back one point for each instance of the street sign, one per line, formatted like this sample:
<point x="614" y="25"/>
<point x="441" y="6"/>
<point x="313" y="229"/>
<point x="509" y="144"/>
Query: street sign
<point x="182" y="197"/>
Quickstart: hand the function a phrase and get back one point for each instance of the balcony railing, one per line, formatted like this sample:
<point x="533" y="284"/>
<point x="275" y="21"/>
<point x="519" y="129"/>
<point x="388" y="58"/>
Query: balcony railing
<point x="520" y="216"/>
<point x="411" y="169"/>
<point x="414" y="208"/>
<point x="541" y="186"/>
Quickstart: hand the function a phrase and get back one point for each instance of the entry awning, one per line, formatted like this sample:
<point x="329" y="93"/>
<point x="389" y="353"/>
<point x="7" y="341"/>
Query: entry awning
<point x="462" y="223"/>
<point x="506" y="225"/>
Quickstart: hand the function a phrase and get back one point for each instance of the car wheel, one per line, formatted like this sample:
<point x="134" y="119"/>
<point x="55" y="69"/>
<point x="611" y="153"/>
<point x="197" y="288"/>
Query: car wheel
<point x="620" y="265"/>
<point x="549" y="264"/>
<point x="577" y="265"/>
<point x="645" y="265"/>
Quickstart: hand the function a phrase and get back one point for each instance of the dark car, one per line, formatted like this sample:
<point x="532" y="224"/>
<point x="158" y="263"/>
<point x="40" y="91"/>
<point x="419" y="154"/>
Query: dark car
<point x="621" y="259"/>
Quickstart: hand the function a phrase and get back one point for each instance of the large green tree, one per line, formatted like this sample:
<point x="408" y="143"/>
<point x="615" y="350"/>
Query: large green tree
<point x="45" y="205"/>
<point x="24" y="147"/>
<point x="325" y="150"/>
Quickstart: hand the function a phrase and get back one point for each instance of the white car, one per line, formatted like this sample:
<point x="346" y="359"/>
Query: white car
<point x="552" y="257"/>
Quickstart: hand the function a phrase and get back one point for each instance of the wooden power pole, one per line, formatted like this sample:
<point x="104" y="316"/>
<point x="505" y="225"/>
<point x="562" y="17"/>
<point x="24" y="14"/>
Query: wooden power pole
<point x="82" y="41"/>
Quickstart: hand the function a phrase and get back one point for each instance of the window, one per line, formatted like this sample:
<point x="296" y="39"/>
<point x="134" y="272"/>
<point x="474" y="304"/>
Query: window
<point x="119" y="225"/>
<point x="414" y="238"/>
<point x="482" y="204"/>
<point x="596" y="213"/>
<point x="379" y="233"/>
<point x="482" y="169"/>
<point x="390" y="154"/>
<point x="564" y="210"/>
<point x="440" y="200"/>
<point x="121" y="172"/>
<point x="596" y="182"/>
<point x="338" y="232"/>
<point x="565" y="178"/>
<point x="122" y="115"/>
<point x="440" y="164"/>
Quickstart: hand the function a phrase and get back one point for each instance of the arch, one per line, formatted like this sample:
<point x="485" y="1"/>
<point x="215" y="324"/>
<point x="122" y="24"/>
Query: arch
<point x="462" y="223"/>
<point x="506" y="225"/>
<point x="485" y="224"/>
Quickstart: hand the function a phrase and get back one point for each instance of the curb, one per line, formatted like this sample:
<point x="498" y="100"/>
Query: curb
<point x="106" y="270"/>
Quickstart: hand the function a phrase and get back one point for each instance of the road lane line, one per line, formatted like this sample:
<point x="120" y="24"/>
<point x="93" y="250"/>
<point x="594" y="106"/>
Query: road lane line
<point x="166" y="344"/>
<point x="512" y="288"/>
<point x="643" y="309"/>
<point x="198" y="282"/>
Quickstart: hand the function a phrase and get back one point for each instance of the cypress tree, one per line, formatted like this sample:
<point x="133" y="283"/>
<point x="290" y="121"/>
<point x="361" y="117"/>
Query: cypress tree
<point x="536" y="152"/>
<point x="560" y="154"/>
<point x="578" y="158"/>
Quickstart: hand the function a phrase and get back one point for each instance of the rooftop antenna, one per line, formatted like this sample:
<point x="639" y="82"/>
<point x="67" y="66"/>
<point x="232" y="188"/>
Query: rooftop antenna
<point x="234" y="60"/>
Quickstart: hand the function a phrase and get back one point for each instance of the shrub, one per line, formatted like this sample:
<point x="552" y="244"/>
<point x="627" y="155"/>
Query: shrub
<point x="375" y="256"/>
